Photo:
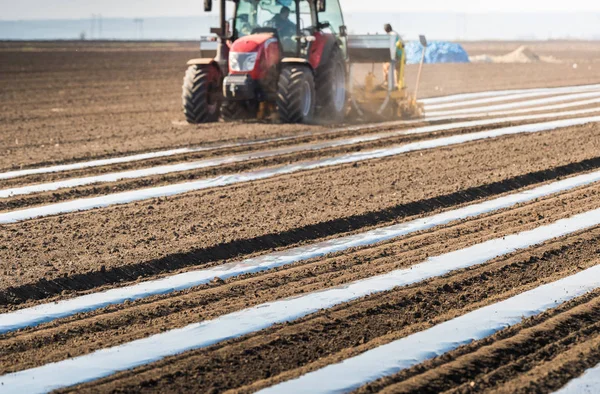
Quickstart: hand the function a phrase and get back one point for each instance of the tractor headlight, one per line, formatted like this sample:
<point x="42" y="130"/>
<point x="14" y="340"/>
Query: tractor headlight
<point x="242" y="61"/>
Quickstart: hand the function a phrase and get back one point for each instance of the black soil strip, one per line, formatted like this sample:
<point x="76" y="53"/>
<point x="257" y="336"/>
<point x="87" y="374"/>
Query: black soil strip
<point x="238" y="248"/>
<point x="554" y="371"/>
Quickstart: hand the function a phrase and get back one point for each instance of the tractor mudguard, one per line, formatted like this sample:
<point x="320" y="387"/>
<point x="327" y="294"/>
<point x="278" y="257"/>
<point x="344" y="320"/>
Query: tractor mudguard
<point x="296" y="60"/>
<point x="203" y="62"/>
<point x="322" y="48"/>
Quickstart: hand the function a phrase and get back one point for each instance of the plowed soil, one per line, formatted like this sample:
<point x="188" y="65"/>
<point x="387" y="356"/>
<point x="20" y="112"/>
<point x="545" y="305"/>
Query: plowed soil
<point x="335" y="334"/>
<point x="145" y="237"/>
<point x="59" y="104"/>
<point x="62" y="102"/>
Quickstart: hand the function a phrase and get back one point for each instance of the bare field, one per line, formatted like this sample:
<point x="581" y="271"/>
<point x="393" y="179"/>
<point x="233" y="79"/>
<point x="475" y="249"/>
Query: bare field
<point x="262" y="256"/>
<point x="584" y="52"/>
<point x="65" y="102"/>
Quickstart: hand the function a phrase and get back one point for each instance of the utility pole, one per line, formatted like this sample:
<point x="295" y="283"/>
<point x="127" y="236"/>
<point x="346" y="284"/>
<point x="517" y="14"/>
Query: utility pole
<point x="100" y="26"/>
<point x="139" y="22"/>
<point x="93" y="22"/>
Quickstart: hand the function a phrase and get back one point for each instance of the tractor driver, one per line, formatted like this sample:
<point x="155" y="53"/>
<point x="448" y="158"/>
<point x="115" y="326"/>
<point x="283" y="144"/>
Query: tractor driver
<point x="244" y="25"/>
<point x="282" y="23"/>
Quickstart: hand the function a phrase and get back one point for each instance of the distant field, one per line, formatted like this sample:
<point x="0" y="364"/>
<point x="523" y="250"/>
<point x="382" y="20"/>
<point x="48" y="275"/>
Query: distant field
<point x="574" y="51"/>
<point x="70" y="99"/>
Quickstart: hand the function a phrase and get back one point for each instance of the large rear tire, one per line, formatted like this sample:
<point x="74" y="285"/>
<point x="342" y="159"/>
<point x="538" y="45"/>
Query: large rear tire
<point x="201" y="85"/>
<point x="238" y="110"/>
<point x="332" y="96"/>
<point x="296" y="94"/>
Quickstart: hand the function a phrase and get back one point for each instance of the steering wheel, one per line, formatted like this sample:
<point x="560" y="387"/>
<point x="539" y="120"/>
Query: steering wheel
<point x="246" y="29"/>
<point x="288" y="43"/>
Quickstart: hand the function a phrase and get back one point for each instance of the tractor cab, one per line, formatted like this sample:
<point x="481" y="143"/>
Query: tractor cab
<point x="280" y="57"/>
<point x="283" y="22"/>
<point x="293" y="22"/>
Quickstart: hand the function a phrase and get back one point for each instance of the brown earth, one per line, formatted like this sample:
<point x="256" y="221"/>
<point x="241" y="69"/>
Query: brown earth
<point x="23" y="201"/>
<point x="106" y="99"/>
<point x="208" y="302"/>
<point x="572" y="51"/>
<point x="286" y="351"/>
<point x="145" y="237"/>
<point x="540" y="355"/>
<point x="78" y="101"/>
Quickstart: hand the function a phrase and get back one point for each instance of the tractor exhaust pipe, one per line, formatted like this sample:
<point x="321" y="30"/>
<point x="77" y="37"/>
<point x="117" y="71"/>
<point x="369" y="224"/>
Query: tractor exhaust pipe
<point x="222" y="57"/>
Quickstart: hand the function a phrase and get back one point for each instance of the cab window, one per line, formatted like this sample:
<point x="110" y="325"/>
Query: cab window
<point x="252" y="14"/>
<point x="333" y="15"/>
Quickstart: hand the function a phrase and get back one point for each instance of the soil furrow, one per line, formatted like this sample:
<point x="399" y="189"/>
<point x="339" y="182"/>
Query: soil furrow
<point x="552" y="372"/>
<point x="500" y="363"/>
<point x="286" y="351"/>
<point x="126" y="322"/>
<point x="62" y="76"/>
<point x="23" y="201"/>
<point x="167" y="234"/>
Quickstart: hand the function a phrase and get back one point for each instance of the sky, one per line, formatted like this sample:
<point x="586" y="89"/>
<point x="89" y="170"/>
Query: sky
<point x="77" y="9"/>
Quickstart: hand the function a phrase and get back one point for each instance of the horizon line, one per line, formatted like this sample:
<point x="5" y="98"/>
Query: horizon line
<point x="82" y="18"/>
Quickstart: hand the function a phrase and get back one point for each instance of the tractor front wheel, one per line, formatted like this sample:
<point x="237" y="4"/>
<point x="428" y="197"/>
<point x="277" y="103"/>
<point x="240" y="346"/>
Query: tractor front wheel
<point x="331" y="88"/>
<point x="296" y="94"/>
<point x="201" y="89"/>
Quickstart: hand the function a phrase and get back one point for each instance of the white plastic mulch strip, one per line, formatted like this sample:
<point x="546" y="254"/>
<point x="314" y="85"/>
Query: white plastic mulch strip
<point x="520" y="104"/>
<point x="494" y="93"/>
<point x="180" y="151"/>
<point x="520" y="111"/>
<point x="488" y="100"/>
<point x="120" y="160"/>
<point x="171" y="190"/>
<point x="588" y="383"/>
<point x="414" y="349"/>
<point x="464" y="97"/>
<point x="167" y="153"/>
<point x="55" y="310"/>
<point x="173" y="168"/>
<point x="108" y="361"/>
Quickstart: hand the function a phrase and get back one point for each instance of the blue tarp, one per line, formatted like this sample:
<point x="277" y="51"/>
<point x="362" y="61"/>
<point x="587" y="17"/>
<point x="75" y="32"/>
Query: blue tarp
<point x="437" y="52"/>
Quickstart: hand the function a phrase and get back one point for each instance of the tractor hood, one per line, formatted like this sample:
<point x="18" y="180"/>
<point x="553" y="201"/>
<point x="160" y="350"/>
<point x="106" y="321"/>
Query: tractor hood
<point x="251" y="43"/>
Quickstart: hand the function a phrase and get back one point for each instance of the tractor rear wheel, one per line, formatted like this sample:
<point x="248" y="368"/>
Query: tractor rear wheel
<point x="331" y="88"/>
<point x="238" y="110"/>
<point x="201" y="85"/>
<point x="296" y="94"/>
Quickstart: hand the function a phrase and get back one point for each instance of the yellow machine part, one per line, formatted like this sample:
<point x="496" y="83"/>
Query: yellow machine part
<point x="386" y="101"/>
<point x="401" y="65"/>
<point x="376" y="100"/>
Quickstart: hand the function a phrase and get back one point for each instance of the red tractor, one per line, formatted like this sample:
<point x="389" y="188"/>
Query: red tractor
<point x="282" y="57"/>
